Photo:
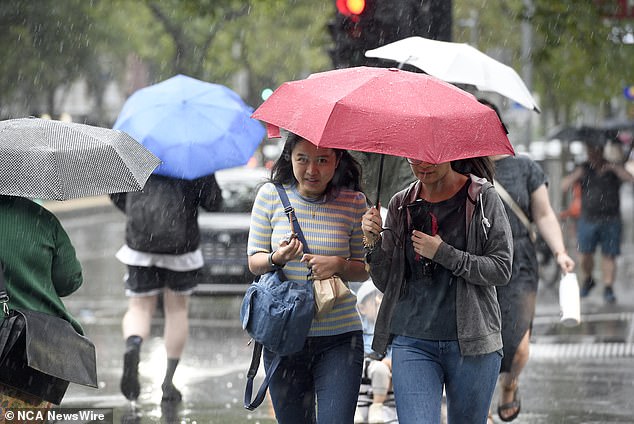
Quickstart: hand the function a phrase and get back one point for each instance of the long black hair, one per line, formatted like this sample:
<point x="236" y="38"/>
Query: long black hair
<point x="482" y="167"/>
<point x="347" y="174"/>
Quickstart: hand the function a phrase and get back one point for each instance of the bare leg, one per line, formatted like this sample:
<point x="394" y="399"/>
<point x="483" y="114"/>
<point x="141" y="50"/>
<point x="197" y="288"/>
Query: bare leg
<point x="136" y="327"/>
<point x="176" y="332"/>
<point x="587" y="264"/>
<point x="176" y="329"/>
<point x="608" y="268"/>
<point x="508" y="381"/>
<point x="138" y="317"/>
<point x="587" y="268"/>
<point x="381" y="377"/>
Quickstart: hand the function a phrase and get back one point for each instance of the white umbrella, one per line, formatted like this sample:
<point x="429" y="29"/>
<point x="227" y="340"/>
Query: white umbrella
<point x="64" y="160"/>
<point x="458" y="63"/>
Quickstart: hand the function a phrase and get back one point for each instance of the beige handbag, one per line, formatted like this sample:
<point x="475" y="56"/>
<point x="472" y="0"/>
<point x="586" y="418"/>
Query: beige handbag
<point x="327" y="292"/>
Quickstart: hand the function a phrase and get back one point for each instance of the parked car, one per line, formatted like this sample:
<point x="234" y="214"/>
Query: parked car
<point x="224" y="234"/>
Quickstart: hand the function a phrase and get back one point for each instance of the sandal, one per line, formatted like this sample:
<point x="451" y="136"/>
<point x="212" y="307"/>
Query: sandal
<point x="516" y="404"/>
<point x="490" y="419"/>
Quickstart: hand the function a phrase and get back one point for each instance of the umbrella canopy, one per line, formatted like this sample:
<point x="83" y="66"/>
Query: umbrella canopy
<point x="386" y="111"/>
<point x="194" y="127"/>
<point x="589" y="135"/>
<point x="458" y="63"/>
<point x="59" y="160"/>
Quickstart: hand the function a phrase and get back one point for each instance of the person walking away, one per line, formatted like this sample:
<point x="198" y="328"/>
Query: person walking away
<point x="600" y="221"/>
<point x="446" y="245"/>
<point x="525" y="183"/>
<point x="162" y="255"/>
<point x="40" y="267"/>
<point x="377" y="368"/>
<point x="320" y="383"/>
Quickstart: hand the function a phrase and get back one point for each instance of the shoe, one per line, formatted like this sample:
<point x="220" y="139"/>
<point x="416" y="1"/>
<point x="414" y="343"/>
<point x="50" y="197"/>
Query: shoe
<point x="608" y="296"/>
<point x="359" y="417"/>
<point x="587" y="286"/>
<point x="171" y="394"/>
<point x="130" y="386"/>
<point x="169" y="412"/>
<point x="376" y="414"/>
<point x="490" y="419"/>
<point x="131" y="417"/>
<point x="515" y="403"/>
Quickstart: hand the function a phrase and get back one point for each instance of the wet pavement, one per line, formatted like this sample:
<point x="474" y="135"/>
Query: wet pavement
<point x="575" y="375"/>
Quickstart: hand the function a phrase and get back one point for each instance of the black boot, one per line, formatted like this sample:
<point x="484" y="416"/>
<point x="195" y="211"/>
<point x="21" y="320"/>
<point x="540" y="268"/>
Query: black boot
<point x="171" y="393"/>
<point x="588" y="285"/>
<point x="608" y="295"/>
<point x="130" y="386"/>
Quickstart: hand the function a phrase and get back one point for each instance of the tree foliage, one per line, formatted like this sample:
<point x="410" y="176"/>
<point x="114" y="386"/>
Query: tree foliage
<point x="578" y="54"/>
<point x="245" y="44"/>
<point x="37" y="39"/>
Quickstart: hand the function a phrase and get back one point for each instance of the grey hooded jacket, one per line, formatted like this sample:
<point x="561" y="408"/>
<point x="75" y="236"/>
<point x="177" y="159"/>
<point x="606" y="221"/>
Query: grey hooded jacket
<point x="485" y="264"/>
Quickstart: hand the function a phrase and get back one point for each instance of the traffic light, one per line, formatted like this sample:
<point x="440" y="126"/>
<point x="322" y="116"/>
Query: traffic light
<point x="351" y="8"/>
<point x="351" y="32"/>
<point x="361" y="25"/>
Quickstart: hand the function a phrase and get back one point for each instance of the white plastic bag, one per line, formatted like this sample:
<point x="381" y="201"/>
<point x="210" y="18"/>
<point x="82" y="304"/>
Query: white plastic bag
<point x="569" y="300"/>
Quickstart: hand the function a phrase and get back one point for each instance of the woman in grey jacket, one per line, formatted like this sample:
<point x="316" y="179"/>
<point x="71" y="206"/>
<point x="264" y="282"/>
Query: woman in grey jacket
<point x="446" y="244"/>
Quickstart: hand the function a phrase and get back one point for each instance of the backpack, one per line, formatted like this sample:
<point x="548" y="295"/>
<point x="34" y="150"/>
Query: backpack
<point x="157" y="217"/>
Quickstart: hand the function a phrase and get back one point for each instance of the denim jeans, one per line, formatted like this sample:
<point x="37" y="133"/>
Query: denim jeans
<point x="326" y="373"/>
<point x="420" y="370"/>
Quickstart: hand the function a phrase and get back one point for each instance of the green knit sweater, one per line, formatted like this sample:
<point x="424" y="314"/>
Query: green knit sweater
<point x="39" y="258"/>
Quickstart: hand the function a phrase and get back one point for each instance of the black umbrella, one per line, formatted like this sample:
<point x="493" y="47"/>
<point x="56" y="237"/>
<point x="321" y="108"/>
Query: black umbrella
<point x="59" y="160"/>
<point x="589" y="135"/>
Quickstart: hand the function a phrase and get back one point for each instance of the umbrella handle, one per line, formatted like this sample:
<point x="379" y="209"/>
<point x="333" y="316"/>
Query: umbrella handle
<point x="378" y="184"/>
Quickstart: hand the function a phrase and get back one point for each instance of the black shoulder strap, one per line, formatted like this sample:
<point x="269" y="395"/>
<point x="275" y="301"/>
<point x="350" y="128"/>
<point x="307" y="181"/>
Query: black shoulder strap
<point x="290" y="212"/>
<point x="257" y="348"/>
<point x="253" y="370"/>
<point x="249" y="403"/>
<point x="4" y="296"/>
<point x="3" y="289"/>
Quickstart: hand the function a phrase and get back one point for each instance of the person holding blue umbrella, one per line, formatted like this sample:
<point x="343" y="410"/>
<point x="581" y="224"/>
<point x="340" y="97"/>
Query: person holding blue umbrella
<point x="195" y="128"/>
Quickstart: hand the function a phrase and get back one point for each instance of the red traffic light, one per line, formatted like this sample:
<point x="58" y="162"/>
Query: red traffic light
<point x="351" y="7"/>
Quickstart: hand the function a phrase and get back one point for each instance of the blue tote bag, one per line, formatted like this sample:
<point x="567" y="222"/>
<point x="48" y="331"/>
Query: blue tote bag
<point x="277" y="313"/>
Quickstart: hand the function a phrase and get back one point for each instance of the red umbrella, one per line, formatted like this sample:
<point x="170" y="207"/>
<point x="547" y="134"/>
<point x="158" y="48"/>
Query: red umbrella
<point x="388" y="111"/>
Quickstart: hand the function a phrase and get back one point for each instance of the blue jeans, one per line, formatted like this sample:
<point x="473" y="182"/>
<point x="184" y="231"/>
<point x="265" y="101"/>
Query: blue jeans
<point x="420" y="369"/>
<point x="326" y="372"/>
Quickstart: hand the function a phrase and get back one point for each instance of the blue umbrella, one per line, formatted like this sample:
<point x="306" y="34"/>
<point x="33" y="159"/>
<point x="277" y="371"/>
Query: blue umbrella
<point x="194" y="127"/>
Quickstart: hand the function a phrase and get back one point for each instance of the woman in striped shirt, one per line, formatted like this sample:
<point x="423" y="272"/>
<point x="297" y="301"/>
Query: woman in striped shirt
<point x="319" y="384"/>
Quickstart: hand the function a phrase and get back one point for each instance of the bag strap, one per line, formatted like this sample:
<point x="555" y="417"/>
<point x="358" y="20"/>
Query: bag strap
<point x="253" y="370"/>
<point x="250" y="403"/>
<point x="4" y="296"/>
<point x="290" y="213"/>
<point x="514" y="206"/>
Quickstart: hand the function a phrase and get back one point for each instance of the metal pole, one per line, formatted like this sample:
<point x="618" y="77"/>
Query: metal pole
<point x="527" y="68"/>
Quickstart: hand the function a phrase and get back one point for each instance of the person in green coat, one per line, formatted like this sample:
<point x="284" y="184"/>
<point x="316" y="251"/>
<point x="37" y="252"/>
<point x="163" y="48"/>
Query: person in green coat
<point x="40" y="267"/>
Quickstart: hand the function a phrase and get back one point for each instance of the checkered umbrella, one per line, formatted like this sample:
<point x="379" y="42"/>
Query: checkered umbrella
<point x="59" y="160"/>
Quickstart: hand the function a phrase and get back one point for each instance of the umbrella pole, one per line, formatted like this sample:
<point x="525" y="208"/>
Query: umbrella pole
<point x="378" y="184"/>
<point x="400" y="65"/>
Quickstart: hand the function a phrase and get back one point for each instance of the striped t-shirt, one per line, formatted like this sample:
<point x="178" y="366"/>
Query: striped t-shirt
<point x="331" y="227"/>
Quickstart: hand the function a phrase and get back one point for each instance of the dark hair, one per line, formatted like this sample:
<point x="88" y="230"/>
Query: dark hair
<point x="347" y="174"/>
<point x="482" y="167"/>
<point x="496" y="110"/>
